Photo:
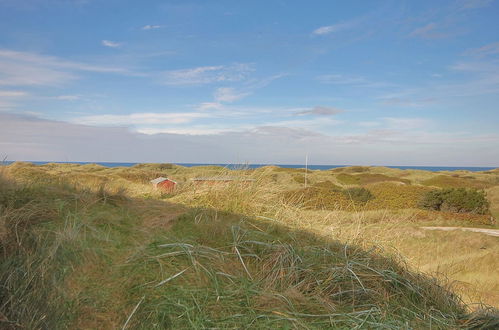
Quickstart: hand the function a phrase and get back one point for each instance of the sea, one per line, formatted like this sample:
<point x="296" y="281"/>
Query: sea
<point x="252" y="166"/>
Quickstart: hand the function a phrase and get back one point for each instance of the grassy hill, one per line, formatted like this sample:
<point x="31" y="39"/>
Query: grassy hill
<point x="92" y="247"/>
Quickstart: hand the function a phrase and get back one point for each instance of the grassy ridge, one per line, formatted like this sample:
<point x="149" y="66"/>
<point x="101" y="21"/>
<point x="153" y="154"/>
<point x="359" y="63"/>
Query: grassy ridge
<point x="102" y="259"/>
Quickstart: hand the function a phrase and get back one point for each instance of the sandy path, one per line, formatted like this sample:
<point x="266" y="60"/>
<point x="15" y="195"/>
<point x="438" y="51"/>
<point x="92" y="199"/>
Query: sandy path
<point x="490" y="232"/>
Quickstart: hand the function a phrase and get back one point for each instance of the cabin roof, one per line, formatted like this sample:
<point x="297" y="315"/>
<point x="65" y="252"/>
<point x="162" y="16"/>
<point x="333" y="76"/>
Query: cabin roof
<point x="161" y="179"/>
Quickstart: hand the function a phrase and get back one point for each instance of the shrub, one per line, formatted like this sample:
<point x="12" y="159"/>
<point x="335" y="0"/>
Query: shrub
<point x="456" y="200"/>
<point x="361" y="195"/>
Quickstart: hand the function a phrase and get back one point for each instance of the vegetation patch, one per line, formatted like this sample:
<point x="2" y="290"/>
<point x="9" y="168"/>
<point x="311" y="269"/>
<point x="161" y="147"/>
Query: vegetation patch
<point x="367" y="178"/>
<point x="316" y="198"/>
<point x="396" y="196"/>
<point x="359" y="195"/>
<point x="327" y="185"/>
<point x="447" y="181"/>
<point x="456" y="200"/>
<point x="352" y="169"/>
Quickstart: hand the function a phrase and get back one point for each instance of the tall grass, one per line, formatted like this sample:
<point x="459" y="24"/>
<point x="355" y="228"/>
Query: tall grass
<point x="46" y="232"/>
<point x="78" y="254"/>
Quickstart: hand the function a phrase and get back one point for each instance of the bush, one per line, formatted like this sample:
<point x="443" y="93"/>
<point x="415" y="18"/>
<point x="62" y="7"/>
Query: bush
<point x="361" y="195"/>
<point x="456" y="200"/>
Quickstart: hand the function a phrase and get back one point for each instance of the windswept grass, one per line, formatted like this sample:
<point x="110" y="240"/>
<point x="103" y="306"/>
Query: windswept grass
<point x="87" y="254"/>
<point x="219" y="270"/>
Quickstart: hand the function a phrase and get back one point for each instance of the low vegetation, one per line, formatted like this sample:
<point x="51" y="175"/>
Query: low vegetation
<point x="358" y="194"/>
<point x="109" y="251"/>
<point x="447" y="181"/>
<point x="456" y="200"/>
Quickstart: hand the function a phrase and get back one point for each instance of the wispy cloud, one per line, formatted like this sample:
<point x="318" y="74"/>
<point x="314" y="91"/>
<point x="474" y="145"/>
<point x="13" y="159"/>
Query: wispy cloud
<point x="474" y="4"/>
<point x="229" y="94"/>
<point x="328" y="29"/>
<point x="32" y="69"/>
<point x="428" y="31"/>
<point x="321" y="111"/>
<point x="140" y="119"/>
<point x="207" y="74"/>
<point x="12" y="94"/>
<point x="487" y="50"/>
<point x="407" y="123"/>
<point x="111" y="44"/>
<point x="406" y="102"/>
<point x="341" y="79"/>
<point x="68" y="97"/>
<point x="151" y="27"/>
<point x="9" y="98"/>
<point x="211" y="106"/>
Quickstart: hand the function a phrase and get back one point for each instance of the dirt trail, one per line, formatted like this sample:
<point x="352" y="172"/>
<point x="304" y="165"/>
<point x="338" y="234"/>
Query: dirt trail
<point x="490" y="232"/>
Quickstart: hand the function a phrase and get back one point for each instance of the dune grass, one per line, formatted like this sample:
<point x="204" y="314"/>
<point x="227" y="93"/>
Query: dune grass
<point x="233" y="256"/>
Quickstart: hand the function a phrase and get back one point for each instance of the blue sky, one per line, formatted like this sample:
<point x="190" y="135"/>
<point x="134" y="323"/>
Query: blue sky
<point x="348" y="82"/>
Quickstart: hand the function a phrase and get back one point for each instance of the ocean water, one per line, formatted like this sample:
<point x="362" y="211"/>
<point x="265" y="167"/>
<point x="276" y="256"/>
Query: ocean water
<point x="311" y="167"/>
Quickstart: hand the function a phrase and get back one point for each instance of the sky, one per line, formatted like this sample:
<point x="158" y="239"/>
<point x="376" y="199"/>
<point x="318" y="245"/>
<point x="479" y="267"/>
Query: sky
<point x="386" y="82"/>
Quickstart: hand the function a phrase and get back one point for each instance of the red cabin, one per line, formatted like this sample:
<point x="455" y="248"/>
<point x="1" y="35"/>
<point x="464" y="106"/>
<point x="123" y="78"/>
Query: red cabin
<point x="164" y="184"/>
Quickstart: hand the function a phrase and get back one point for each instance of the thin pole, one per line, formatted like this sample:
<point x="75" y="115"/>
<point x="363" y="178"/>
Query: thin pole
<point x="306" y="169"/>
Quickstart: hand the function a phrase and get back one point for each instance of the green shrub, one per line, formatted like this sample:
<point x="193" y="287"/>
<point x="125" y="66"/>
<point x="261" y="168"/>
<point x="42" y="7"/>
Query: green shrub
<point x="456" y="200"/>
<point x="361" y="195"/>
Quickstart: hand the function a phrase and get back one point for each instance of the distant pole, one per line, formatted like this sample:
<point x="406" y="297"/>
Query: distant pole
<point x="306" y="169"/>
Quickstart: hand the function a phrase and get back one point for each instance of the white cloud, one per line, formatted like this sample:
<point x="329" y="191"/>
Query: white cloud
<point x="151" y="27"/>
<point x="229" y="94"/>
<point x="111" y="44"/>
<point x="328" y="29"/>
<point x="207" y="74"/>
